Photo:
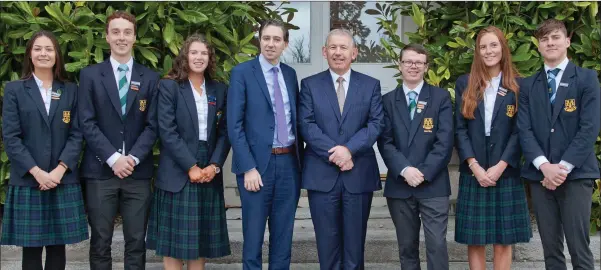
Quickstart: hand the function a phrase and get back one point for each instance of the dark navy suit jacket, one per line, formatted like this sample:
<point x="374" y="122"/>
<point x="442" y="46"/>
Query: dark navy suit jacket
<point x="178" y="131"/>
<point x="426" y="142"/>
<point x="323" y="127"/>
<point x="33" y="137"/>
<point x="251" y="123"/>
<point x="102" y="125"/>
<point x="470" y="134"/>
<point x="567" y="131"/>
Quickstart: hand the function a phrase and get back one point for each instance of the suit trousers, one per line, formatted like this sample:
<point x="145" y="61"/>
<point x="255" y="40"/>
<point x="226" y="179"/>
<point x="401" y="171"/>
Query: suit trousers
<point x="131" y="198"/>
<point x="407" y="216"/>
<point x="565" y="212"/>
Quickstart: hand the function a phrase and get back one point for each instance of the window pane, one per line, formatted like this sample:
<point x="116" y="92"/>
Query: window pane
<point x="352" y="16"/>
<point x="299" y="49"/>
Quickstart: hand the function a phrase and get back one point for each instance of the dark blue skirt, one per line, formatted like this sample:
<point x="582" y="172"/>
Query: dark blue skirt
<point x="35" y="218"/>
<point x="191" y="223"/>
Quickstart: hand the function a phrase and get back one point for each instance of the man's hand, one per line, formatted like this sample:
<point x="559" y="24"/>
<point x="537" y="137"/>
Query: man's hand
<point x="252" y="180"/>
<point x="195" y="174"/>
<point x="495" y="172"/>
<point x="339" y="155"/>
<point x="347" y="166"/>
<point x="413" y="176"/>
<point x="482" y="176"/>
<point x="208" y="173"/>
<point x="124" y="166"/>
<point x="556" y="174"/>
<point x="547" y="184"/>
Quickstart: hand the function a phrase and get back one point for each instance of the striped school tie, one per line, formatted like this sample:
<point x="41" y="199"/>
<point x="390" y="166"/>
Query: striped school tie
<point x="123" y="68"/>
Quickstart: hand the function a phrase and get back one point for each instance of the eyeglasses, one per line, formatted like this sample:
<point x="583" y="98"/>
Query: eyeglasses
<point x="410" y="63"/>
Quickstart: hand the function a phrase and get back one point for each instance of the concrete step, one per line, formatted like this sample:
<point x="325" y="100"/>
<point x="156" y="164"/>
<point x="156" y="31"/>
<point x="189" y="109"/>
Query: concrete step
<point x="381" y="246"/>
<point x="12" y="265"/>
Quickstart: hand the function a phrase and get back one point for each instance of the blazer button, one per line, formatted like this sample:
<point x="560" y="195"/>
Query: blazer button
<point x="119" y="150"/>
<point x="341" y="132"/>
<point x="121" y="132"/>
<point x="552" y="130"/>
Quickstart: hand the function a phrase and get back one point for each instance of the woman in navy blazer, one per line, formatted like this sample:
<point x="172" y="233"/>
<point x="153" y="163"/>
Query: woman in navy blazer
<point x="187" y="219"/>
<point x="44" y="205"/>
<point x="491" y="204"/>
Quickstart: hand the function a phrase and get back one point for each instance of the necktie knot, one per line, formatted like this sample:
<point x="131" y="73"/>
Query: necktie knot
<point x="275" y="70"/>
<point x="553" y="72"/>
<point x="340" y="80"/>
<point x="412" y="95"/>
<point x="123" y="67"/>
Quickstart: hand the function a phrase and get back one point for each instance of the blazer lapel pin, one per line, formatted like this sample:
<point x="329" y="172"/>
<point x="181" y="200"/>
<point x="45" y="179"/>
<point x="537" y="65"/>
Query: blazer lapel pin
<point x="212" y="100"/>
<point x="135" y="86"/>
<point x="56" y="94"/>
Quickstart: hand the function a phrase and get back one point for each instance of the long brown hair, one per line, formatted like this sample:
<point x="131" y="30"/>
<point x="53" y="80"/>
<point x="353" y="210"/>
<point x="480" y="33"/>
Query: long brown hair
<point x="479" y="75"/>
<point x="59" y="66"/>
<point x="179" y="71"/>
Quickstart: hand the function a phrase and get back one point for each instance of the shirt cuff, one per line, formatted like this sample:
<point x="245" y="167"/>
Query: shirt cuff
<point x="539" y="161"/>
<point x="135" y="159"/>
<point x="111" y="161"/>
<point x="568" y="165"/>
<point x="403" y="171"/>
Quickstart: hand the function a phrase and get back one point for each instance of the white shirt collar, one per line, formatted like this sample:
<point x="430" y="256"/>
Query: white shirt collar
<point x="39" y="82"/>
<point x="116" y="64"/>
<point x="202" y="86"/>
<point x="562" y="66"/>
<point x="417" y="89"/>
<point x="346" y="76"/>
<point x="266" y="66"/>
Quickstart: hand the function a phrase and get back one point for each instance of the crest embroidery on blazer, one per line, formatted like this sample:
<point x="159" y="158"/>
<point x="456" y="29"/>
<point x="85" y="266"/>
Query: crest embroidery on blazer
<point x="67" y="117"/>
<point x="428" y="124"/>
<point x="570" y="105"/>
<point x="142" y="105"/>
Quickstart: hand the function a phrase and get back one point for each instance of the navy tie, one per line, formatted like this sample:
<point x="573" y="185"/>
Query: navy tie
<point x="551" y="74"/>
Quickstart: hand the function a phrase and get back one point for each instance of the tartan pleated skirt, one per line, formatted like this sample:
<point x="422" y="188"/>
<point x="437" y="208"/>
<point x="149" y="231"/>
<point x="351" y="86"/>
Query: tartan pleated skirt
<point x="35" y="218"/>
<point x="191" y="223"/>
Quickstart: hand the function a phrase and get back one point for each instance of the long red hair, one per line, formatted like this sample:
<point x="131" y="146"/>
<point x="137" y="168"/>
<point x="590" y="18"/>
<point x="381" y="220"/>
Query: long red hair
<point x="479" y="75"/>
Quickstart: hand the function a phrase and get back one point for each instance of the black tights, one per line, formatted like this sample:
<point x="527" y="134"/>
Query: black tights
<point x="55" y="258"/>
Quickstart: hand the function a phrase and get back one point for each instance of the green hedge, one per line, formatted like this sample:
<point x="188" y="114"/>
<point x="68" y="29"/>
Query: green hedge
<point x="162" y="28"/>
<point x="449" y="34"/>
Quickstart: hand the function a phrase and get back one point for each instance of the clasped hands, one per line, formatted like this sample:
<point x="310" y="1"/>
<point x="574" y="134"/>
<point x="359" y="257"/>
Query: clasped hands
<point x="47" y="180"/>
<point x="204" y="175"/>
<point x="342" y="157"/>
<point x="555" y="175"/>
<point x="413" y="176"/>
<point x="488" y="178"/>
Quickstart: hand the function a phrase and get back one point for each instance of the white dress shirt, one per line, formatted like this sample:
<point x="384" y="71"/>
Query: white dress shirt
<point x="202" y="110"/>
<point x="540" y="160"/>
<point x="490" y="96"/>
<point x="45" y="92"/>
<point x="417" y="90"/>
<point x="115" y="65"/>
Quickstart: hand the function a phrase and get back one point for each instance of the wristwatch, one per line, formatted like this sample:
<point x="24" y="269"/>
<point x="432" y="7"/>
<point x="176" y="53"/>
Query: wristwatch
<point x="217" y="169"/>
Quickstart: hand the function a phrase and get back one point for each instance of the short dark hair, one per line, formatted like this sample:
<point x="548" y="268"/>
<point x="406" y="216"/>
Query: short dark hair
<point x="123" y="15"/>
<point x="277" y="23"/>
<point x="418" y="48"/>
<point x="59" y="65"/>
<point x="549" y="26"/>
<point x="179" y="71"/>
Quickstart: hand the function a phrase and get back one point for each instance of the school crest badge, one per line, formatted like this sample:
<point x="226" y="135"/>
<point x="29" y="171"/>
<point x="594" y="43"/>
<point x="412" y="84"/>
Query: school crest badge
<point x="510" y="110"/>
<point x="428" y="124"/>
<point x="142" y="105"/>
<point x="67" y="117"/>
<point x="570" y="105"/>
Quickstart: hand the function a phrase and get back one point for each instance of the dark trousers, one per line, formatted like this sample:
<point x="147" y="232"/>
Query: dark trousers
<point x="55" y="258"/>
<point x="276" y="201"/>
<point x="565" y="212"/>
<point x="131" y="198"/>
<point x="405" y="214"/>
<point x="340" y="221"/>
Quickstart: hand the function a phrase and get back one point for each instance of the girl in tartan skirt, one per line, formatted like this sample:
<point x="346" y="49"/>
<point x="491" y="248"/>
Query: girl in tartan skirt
<point x="44" y="205"/>
<point x="187" y="220"/>
<point x="491" y="204"/>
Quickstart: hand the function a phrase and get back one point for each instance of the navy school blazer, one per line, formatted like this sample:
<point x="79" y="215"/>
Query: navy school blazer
<point x="470" y="134"/>
<point x="566" y="130"/>
<point x="178" y="132"/>
<point x="426" y="142"/>
<point x="33" y="137"/>
<point x="103" y="127"/>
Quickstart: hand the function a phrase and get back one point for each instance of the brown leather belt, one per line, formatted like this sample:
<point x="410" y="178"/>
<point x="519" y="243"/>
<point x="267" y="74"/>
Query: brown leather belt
<point x="282" y="150"/>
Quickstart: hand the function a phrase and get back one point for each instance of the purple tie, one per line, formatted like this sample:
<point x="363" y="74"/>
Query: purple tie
<point x="280" y="112"/>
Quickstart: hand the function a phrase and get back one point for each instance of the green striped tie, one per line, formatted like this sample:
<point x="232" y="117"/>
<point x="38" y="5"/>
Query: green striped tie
<point x="123" y="68"/>
<point x="412" y="104"/>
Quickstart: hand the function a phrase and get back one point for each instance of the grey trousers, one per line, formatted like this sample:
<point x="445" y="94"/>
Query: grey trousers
<point x="408" y="215"/>
<point x="565" y="212"/>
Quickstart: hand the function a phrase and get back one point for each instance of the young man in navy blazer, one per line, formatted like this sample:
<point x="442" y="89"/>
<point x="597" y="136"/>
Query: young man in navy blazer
<point x="261" y="113"/>
<point x="416" y="146"/>
<point x="558" y="119"/>
<point x="118" y="121"/>
<point x="340" y="119"/>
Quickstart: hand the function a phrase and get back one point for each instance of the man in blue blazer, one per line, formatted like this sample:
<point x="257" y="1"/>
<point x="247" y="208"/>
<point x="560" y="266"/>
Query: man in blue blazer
<point x="117" y="115"/>
<point x="416" y="146"/>
<point x="340" y="120"/>
<point x="262" y="129"/>
<point x="558" y="119"/>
